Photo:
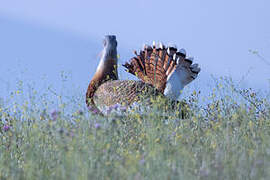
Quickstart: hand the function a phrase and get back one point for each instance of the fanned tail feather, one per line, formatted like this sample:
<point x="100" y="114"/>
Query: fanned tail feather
<point x="153" y="64"/>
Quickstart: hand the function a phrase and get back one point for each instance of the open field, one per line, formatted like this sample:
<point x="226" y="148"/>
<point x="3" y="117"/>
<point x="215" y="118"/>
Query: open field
<point x="226" y="136"/>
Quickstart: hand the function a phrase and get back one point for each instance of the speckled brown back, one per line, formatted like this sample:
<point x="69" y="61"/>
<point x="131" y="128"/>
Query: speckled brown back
<point x="124" y="92"/>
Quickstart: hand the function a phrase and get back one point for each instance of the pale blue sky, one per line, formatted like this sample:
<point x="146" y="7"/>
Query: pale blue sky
<point x="49" y="36"/>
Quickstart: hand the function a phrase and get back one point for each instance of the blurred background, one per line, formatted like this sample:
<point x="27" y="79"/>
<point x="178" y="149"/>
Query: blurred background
<point x="47" y="42"/>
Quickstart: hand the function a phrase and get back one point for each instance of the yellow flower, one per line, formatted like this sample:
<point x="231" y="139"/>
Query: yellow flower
<point x="213" y="145"/>
<point x="250" y="124"/>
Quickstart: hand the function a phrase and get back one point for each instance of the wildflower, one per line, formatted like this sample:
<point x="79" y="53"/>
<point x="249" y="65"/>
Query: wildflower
<point x="70" y="133"/>
<point x="6" y="128"/>
<point x="55" y="115"/>
<point x="97" y="126"/>
<point x="90" y="108"/>
<point x="173" y="134"/>
<point x="95" y="111"/>
<point x="123" y="108"/>
<point x="113" y="108"/>
<point x="109" y="111"/>
<point x="43" y="115"/>
<point x="80" y="112"/>
<point x="142" y="161"/>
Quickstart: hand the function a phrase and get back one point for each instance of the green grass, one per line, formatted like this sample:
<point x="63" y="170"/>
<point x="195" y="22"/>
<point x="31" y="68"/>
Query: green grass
<point x="226" y="136"/>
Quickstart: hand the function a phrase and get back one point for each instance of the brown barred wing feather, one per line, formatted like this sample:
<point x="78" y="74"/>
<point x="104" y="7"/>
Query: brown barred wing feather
<point x="153" y="65"/>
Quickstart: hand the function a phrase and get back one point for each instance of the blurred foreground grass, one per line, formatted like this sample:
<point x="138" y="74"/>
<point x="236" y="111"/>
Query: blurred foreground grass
<point x="226" y="136"/>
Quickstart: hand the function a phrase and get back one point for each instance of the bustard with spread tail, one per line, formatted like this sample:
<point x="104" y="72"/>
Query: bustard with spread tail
<point x="162" y="71"/>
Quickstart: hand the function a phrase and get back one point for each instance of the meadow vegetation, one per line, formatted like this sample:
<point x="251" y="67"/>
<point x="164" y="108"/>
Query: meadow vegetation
<point x="225" y="136"/>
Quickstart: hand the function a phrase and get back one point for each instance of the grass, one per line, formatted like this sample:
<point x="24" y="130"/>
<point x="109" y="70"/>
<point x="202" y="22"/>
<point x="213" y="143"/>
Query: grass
<point x="226" y="136"/>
